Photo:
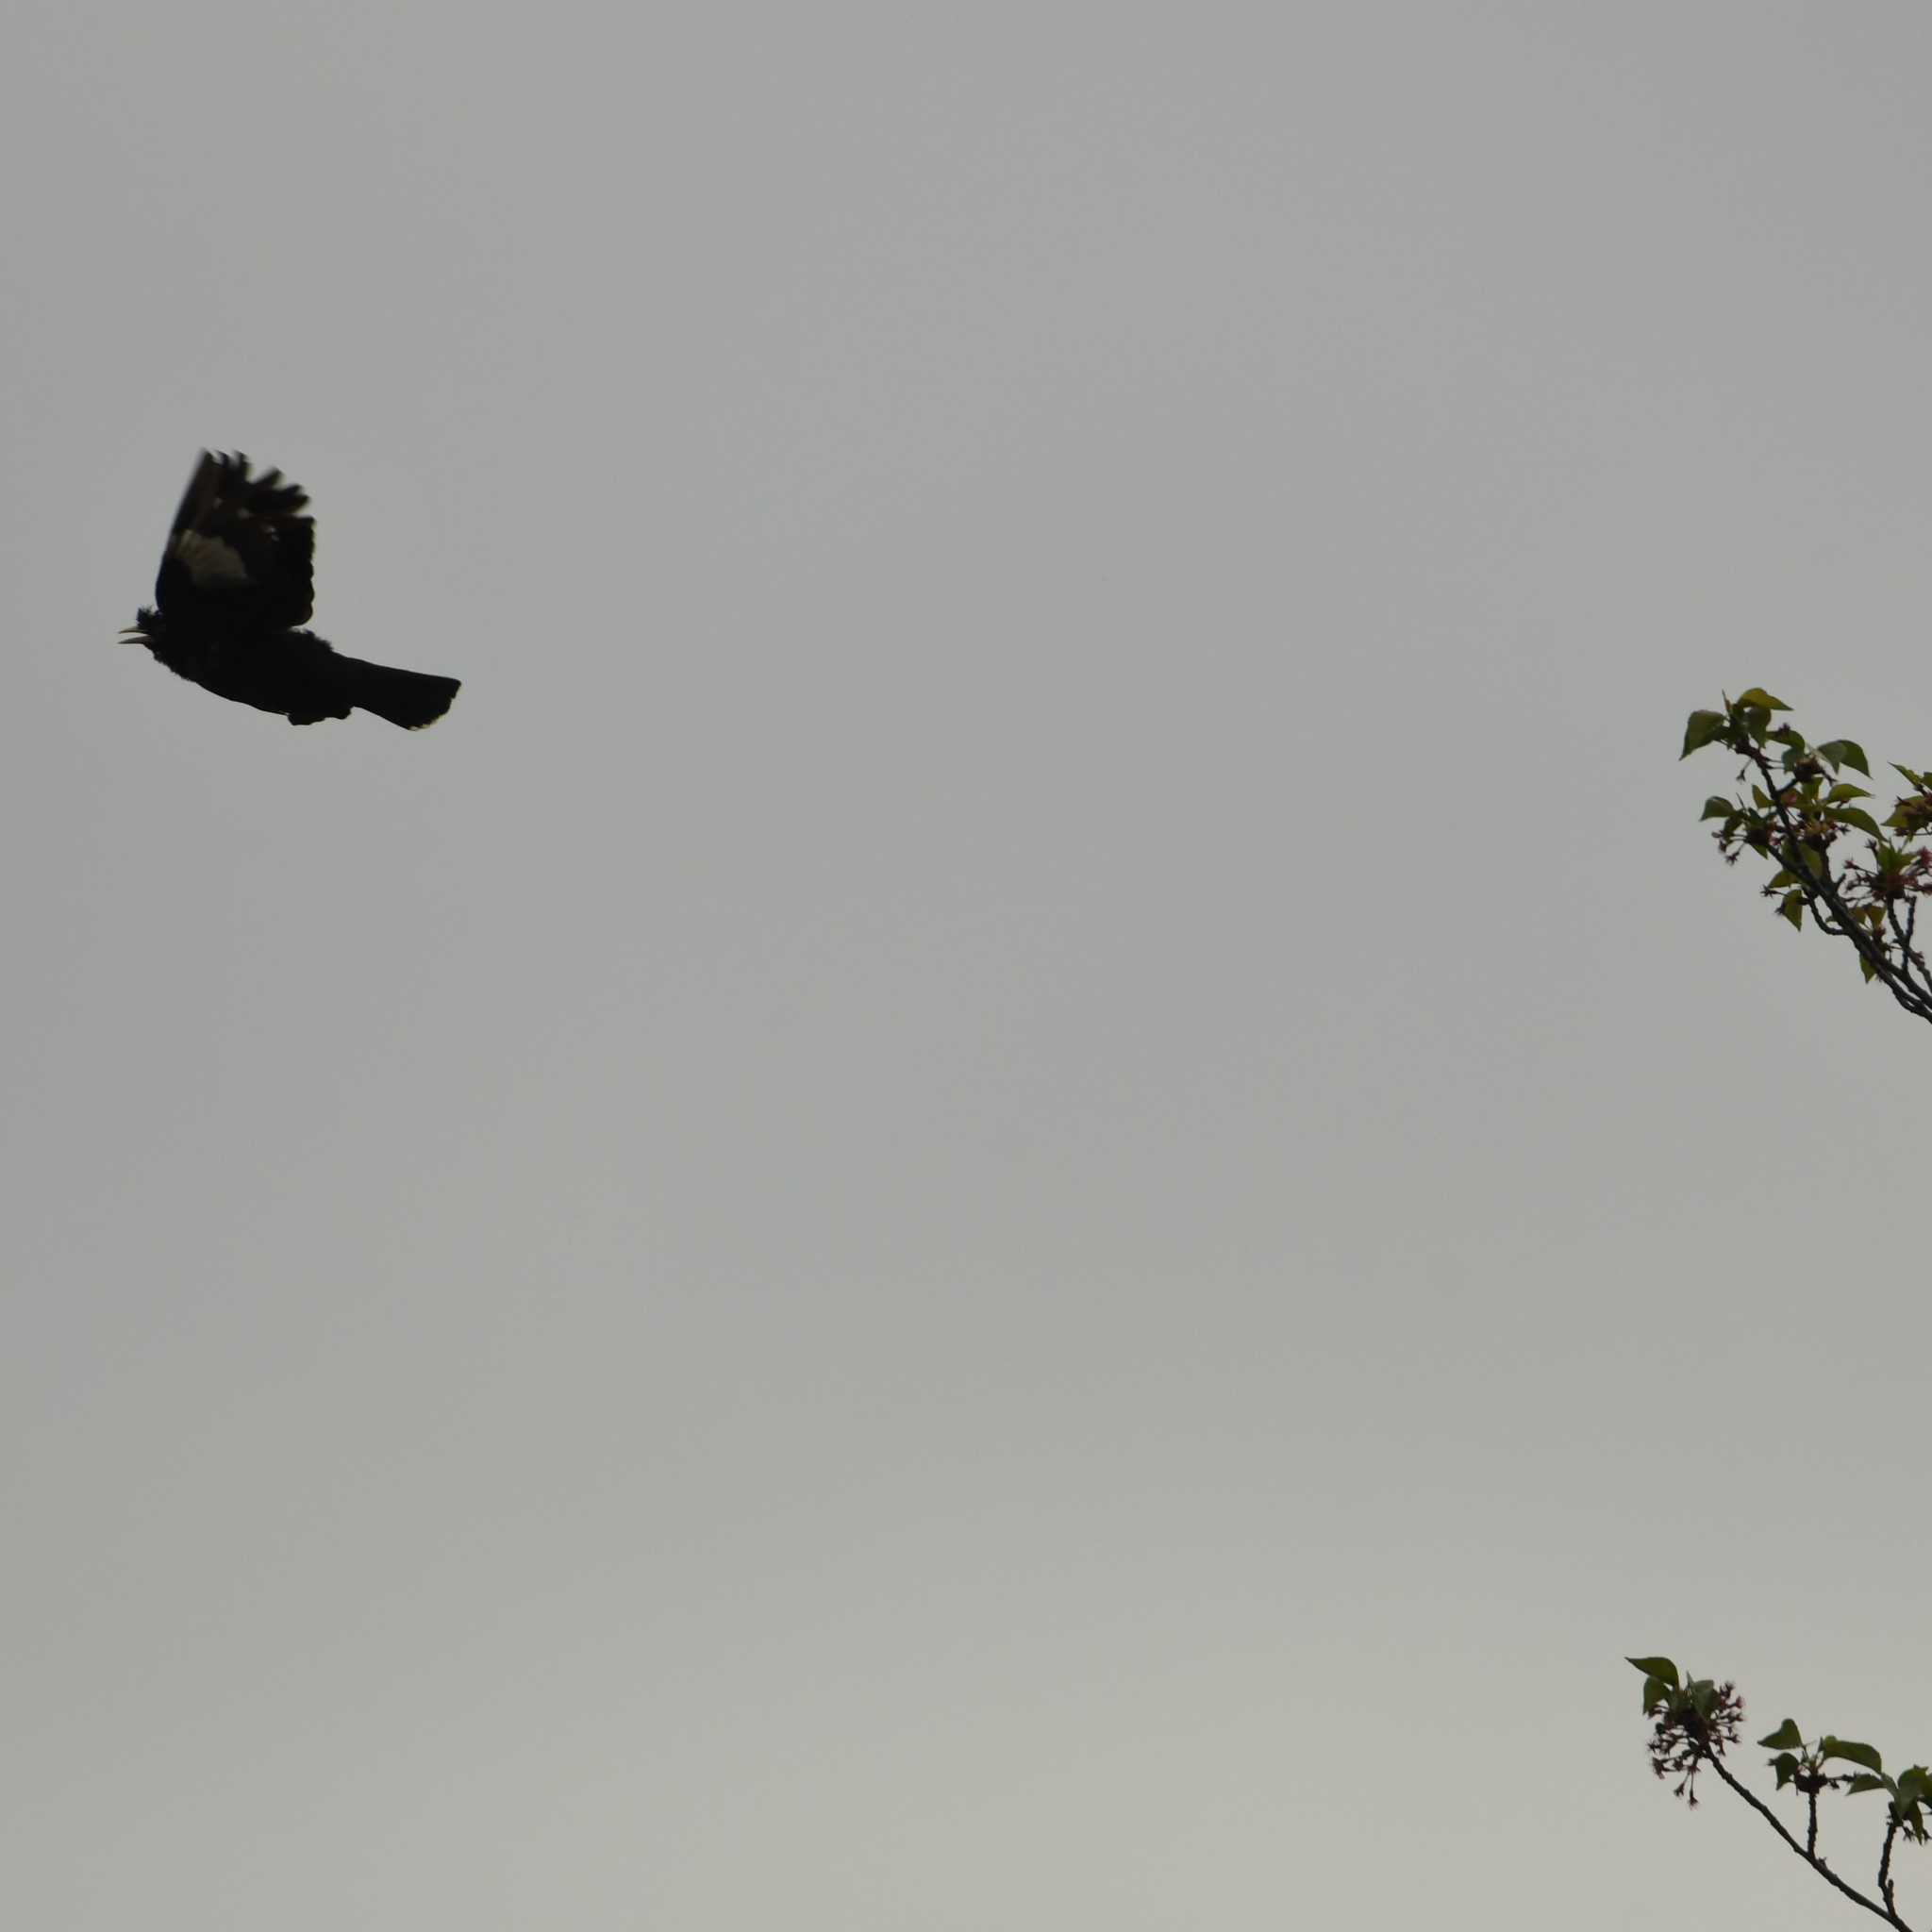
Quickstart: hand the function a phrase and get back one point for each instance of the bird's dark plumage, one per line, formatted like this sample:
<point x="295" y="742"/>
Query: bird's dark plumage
<point x="236" y="584"/>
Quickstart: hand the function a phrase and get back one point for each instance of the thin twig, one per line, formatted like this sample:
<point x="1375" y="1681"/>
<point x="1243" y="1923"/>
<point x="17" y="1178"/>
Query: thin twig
<point x="1811" y="1859"/>
<point x="1903" y="934"/>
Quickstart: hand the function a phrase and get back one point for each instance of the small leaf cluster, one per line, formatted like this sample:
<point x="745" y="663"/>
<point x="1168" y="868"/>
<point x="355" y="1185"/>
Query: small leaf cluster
<point x="1695" y="1719"/>
<point x="1802" y="1765"/>
<point x="1692" y="1721"/>
<point x="1794" y="808"/>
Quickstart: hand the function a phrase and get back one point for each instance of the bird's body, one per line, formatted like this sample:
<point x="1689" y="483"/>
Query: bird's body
<point x="236" y="585"/>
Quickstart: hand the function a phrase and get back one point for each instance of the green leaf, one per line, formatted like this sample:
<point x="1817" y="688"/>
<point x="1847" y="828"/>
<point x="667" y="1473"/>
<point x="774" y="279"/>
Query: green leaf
<point x="1841" y="792"/>
<point x="1854" y="1754"/>
<point x="1716" y="808"/>
<point x="1703" y="727"/>
<point x="1655" y="1667"/>
<point x="1759" y="699"/>
<point x="1918" y="778"/>
<point x="1845" y="751"/>
<point x="1863" y="1783"/>
<point x="1787" y="1768"/>
<point x="1788" y="1737"/>
<point x="1866" y="967"/>
<point x="1699" y="1693"/>
<point x="1858" y="819"/>
<point x="1794" y="909"/>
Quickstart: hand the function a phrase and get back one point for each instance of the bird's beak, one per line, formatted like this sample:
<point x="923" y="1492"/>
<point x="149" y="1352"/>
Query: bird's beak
<point x="128" y="635"/>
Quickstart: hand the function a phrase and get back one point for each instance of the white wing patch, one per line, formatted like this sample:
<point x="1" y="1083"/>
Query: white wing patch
<point x="209" y="561"/>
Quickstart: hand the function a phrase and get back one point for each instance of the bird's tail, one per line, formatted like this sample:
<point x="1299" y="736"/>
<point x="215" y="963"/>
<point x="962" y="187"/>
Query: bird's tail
<point x="409" y="698"/>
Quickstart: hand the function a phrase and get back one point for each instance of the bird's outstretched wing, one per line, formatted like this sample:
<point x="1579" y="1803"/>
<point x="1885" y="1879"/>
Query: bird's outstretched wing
<point x="241" y="554"/>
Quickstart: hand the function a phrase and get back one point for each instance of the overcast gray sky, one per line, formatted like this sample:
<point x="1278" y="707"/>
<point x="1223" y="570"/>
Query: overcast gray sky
<point x="1036" y="1179"/>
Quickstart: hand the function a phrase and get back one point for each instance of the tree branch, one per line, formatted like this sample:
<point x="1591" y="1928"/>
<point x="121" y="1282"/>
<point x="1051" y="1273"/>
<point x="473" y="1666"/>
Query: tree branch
<point x="1821" y="885"/>
<point x="1811" y="1859"/>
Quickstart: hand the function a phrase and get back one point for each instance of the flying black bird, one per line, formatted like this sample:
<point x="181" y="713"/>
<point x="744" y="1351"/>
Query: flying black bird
<point x="235" y="584"/>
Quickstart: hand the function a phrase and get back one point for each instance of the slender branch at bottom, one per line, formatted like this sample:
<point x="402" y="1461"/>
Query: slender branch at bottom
<point x="1811" y="1859"/>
